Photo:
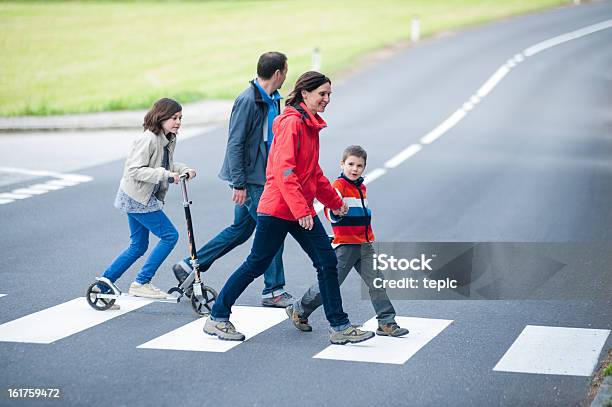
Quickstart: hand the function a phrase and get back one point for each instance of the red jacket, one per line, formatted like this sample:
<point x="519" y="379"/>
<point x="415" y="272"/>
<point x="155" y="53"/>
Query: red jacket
<point x="293" y="175"/>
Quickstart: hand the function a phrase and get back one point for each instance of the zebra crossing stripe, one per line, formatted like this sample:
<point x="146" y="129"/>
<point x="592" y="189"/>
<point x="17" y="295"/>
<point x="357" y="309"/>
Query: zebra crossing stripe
<point x="5" y="201"/>
<point x="248" y="320"/>
<point x="554" y="350"/>
<point x="382" y="349"/>
<point x="2" y="295"/>
<point x="11" y="196"/>
<point x="61" y="321"/>
<point x="29" y="191"/>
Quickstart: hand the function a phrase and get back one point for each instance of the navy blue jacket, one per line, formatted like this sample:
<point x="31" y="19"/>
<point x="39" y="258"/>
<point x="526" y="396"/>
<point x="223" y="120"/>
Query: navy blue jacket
<point x="246" y="154"/>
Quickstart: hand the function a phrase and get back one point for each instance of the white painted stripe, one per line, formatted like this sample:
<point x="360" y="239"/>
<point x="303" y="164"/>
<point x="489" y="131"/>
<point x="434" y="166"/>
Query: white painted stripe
<point x="388" y="350"/>
<point x="403" y="155"/>
<point x="46" y="187"/>
<point x="248" y="320"/>
<point x="61" y="321"/>
<point x="2" y="295"/>
<point x="38" y="173"/>
<point x="6" y="201"/>
<point x="77" y="177"/>
<point x="544" y="45"/>
<point x="493" y="81"/>
<point x="554" y="350"/>
<point x="24" y="191"/>
<point x="63" y="182"/>
<point x="372" y="175"/>
<point x="445" y="126"/>
<point x="13" y="196"/>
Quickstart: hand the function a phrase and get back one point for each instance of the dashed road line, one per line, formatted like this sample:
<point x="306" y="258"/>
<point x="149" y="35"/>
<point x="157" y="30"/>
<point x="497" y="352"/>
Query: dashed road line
<point x="554" y="350"/>
<point x="385" y="349"/>
<point x="248" y="320"/>
<point x="61" y="181"/>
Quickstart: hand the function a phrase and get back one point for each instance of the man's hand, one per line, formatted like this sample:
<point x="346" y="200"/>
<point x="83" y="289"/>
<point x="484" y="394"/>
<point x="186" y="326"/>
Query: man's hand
<point x="239" y="196"/>
<point x="342" y="210"/>
<point x="306" y="222"/>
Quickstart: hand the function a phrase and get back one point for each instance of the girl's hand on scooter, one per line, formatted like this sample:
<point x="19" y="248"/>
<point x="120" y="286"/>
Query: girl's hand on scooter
<point x="192" y="173"/>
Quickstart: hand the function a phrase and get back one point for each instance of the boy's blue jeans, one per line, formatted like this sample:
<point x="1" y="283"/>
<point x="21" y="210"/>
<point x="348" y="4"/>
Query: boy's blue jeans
<point x="140" y="225"/>
<point x="269" y="237"/>
<point x="245" y="220"/>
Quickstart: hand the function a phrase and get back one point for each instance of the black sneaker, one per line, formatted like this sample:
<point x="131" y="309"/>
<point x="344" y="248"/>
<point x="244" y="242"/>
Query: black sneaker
<point x="179" y="273"/>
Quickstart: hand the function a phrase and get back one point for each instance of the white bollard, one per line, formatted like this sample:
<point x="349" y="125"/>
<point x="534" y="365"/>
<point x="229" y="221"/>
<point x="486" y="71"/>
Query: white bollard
<point x="415" y="29"/>
<point x="316" y="59"/>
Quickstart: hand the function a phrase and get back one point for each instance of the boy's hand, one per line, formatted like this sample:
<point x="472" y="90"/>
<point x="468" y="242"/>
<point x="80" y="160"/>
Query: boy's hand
<point x="342" y="210"/>
<point x="306" y="222"/>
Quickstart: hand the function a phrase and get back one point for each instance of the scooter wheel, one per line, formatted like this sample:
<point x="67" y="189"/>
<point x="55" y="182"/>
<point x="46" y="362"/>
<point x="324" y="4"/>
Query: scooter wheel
<point x="203" y="308"/>
<point x="100" y="304"/>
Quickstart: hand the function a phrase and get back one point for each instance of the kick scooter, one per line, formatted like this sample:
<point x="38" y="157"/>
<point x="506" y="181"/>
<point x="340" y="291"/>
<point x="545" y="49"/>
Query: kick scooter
<point x="102" y="294"/>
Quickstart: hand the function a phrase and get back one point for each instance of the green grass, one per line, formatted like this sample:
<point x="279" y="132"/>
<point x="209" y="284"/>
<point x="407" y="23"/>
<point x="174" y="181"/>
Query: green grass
<point x="607" y="371"/>
<point x="66" y="57"/>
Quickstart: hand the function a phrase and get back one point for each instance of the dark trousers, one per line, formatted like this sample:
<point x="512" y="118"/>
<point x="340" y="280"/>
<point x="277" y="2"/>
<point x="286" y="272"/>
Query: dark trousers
<point x="269" y="237"/>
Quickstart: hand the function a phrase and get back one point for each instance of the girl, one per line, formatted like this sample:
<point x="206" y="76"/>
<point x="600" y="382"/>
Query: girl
<point x="149" y="169"/>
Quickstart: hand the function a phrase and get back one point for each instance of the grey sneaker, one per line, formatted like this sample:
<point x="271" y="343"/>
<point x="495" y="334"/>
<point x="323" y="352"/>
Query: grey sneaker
<point x="392" y="329"/>
<point x="223" y="330"/>
<point x="299" y="322"/>
<point x="280" y="301"/>
<point x="351" y="334"/>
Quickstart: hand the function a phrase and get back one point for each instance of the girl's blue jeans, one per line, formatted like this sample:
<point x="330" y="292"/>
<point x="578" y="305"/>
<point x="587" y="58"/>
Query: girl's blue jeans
<point x="140" y="225"/>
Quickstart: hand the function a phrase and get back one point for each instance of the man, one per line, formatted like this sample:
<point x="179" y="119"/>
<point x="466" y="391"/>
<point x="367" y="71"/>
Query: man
<point x="244" y="166"/>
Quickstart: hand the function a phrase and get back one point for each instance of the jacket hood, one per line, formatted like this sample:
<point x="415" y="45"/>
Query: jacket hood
<point x="310" y="120"/>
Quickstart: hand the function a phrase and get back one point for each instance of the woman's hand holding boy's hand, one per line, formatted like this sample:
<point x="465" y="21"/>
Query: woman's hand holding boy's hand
<point x="341" y="211"/>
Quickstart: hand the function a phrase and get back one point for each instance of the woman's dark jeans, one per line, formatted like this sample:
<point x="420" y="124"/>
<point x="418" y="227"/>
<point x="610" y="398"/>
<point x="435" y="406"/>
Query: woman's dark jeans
<point x="269" y="236"/>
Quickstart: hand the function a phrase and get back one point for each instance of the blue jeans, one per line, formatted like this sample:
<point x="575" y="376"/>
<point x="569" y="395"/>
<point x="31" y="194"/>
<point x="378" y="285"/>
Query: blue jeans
<point x="245" y="220"/>
<point x="269" y="236"/>
<point x="140" y="225"/>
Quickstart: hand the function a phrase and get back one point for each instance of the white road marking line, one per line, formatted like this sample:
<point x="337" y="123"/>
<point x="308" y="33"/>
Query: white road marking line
<point x="2" y="295"/>
<point x="28" y="191"/>
<point x="554" y="350"/>
<point x="61" y="321"/>
<point x="38" y="173"/>
<point x="7" y="195"/>
<point x="403" y="156"/>
<point x="445" y="126"/>
<point x="46" y="186"/>
<point x="63" y="182"/>
<point x="560" y="39"/>
<point x="6" y="201"/>
<point x="490" y="84"/>
<point x="248" y="320"/>
<point x="388" y="350"/>
<point x="77" y="177"/>
<point x="372" y="175"/>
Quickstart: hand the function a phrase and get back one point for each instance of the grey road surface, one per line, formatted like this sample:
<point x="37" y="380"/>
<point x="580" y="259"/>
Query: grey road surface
<point x="530" y="163"/>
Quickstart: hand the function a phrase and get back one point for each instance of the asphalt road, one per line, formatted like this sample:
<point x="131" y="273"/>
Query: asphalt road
<point x="529" y="163"/>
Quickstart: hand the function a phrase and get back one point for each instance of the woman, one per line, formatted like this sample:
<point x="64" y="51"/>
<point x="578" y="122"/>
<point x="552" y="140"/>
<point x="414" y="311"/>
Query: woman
<point x="293" y="180"/>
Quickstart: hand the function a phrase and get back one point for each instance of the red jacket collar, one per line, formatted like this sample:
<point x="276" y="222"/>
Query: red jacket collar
<point x="311" y="120"/>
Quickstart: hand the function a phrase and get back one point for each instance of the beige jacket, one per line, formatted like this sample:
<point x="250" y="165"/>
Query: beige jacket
<point x="143" y="168"/>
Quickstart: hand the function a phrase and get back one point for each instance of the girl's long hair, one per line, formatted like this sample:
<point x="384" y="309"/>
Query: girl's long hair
<point x="161" y="110"/>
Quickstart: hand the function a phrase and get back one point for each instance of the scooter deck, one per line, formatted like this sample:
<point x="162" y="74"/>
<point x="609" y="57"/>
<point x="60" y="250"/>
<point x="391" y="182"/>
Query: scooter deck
<point x="169" y="298"/>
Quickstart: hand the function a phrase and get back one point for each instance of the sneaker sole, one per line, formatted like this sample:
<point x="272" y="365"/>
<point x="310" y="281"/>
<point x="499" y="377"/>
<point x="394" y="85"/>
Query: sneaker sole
<point x="147" y="296"/>
<point x="350" y="341"/>
<point x="223" y="339"/>
<point x="392" y="336"/>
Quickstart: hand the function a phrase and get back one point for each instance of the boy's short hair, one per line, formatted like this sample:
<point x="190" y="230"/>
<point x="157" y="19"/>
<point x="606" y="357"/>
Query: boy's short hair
<point x="356" y="151"/>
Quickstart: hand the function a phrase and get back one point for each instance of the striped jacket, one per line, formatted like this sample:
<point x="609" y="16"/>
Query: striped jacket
<point x="354" y="227"/>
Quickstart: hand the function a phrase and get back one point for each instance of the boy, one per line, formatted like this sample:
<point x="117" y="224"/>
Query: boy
<point x="352" y="234"/>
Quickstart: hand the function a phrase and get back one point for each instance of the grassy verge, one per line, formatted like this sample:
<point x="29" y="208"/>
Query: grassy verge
<point x="66" y="56"/>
